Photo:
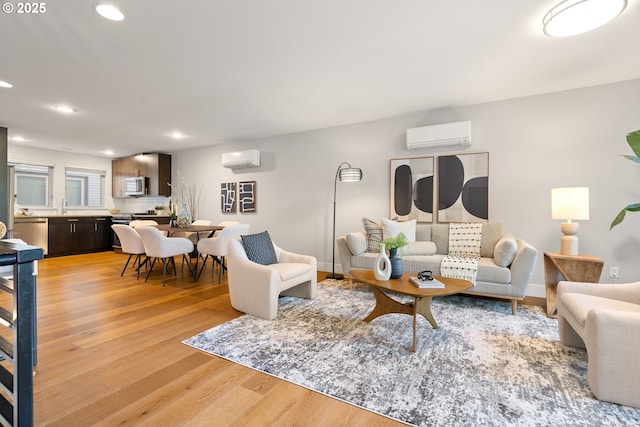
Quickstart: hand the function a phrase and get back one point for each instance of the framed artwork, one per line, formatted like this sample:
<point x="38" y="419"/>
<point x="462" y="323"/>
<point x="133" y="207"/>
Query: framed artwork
<point x="463" y="188"/>
<point x="412" y="189"/>
<point x="228" y="197"/>
<point x="247" y="196"/>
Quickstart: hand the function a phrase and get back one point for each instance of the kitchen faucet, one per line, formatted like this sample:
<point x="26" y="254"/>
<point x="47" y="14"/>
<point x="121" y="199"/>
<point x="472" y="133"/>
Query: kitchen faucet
<point x="63" y="210"/>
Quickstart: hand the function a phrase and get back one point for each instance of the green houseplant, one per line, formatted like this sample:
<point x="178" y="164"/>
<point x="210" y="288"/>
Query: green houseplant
<point x="397" y="242"/>
<point x="633" y="139"/>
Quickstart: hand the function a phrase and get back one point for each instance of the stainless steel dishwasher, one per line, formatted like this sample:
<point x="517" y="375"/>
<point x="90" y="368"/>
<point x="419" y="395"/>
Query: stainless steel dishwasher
<point x="34" y="231"/>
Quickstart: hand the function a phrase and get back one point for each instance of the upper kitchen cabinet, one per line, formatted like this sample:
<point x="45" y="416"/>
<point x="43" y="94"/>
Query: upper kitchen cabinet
<point x="155" y="166"/>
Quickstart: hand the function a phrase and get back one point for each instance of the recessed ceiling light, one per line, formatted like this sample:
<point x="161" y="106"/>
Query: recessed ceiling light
<point x="571" y="17"/>
<point x="65" y="109"/>
<point x="176" y="135"/>
<point x="108" y="152"/>
<point x="5" y="84"/>
<point x="18" y="138"/>
<point x="109" y="12"/>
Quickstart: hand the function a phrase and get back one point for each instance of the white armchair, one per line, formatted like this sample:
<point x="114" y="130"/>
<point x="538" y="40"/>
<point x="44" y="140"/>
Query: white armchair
<point x="254" y="288"/>
<point x="604" y="319"/>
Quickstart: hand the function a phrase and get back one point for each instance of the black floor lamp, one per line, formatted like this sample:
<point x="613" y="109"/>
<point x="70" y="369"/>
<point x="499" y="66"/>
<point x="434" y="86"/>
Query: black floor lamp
<point x="346" y="174"/>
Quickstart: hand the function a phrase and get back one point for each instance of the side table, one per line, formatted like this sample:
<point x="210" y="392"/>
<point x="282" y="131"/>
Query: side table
<point x="575" y="268"/>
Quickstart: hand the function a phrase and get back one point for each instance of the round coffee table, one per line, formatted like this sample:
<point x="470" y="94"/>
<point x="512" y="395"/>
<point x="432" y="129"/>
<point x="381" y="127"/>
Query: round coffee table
<point x="421" y="297"/>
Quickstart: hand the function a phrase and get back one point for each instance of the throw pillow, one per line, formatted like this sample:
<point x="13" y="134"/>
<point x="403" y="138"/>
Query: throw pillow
<point x="374" y="235"/>
<point x="505" y="250"/>
<point x="259" y="248"/>
<point x="357" y="242"/>
<point x="420" y="248"/>
<point x="393" y="228"/>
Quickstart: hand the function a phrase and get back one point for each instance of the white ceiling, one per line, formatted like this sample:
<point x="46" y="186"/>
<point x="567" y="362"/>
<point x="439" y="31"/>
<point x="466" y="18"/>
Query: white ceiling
<point x="228" y="70"/>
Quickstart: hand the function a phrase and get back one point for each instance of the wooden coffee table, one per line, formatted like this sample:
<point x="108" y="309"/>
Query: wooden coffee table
<point x="421" y="297"/>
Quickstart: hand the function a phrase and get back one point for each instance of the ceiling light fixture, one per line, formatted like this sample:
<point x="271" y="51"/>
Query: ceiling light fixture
<point x="176" y="135"/>
<point x="18" y="138"/>
<point x="109" y="12"/>
<point x="571" y="17"/>
<point x="5" y="84"/>
<point x="65" y="109"/>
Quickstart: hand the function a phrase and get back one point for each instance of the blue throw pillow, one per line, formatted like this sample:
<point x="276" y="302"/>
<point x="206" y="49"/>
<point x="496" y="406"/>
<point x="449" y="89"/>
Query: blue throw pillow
<point x="259" y="248"/>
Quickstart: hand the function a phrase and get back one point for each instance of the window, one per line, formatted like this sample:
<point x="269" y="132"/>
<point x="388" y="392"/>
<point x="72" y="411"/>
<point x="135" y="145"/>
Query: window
<point x="84" y="187"/>
<point x="32" y="184"/>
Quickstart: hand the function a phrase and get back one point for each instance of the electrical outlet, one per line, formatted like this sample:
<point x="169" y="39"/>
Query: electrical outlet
<point x="613" y="272"/>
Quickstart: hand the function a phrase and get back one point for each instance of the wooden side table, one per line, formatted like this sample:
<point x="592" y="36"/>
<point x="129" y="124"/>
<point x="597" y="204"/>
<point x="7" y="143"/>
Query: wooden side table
<point x="575" y="268"/>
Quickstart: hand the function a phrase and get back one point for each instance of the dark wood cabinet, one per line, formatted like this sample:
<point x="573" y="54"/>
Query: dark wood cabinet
<point x="155" y="166"/>
<point x="76" y="235"/>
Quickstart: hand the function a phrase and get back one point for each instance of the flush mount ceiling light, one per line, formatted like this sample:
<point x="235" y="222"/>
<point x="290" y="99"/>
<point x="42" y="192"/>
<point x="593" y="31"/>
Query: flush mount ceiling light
<point x="176" y="135"/>
<point x="65" y="109"/>
<point x="571" y="17"/>
<point x="5" y="84"/>
<point x="109" y="12"/>
<point x="18" y="138"/>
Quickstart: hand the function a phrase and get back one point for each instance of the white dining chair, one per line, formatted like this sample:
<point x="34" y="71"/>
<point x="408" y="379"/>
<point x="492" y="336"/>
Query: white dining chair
<point x="130" y="243"/>
<point x="216" y="247"/>
<point x="159" y="246"/>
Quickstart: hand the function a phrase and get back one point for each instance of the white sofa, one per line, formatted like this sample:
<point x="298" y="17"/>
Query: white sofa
<point x="504" y="270"/>
<point x="604" y="319"/>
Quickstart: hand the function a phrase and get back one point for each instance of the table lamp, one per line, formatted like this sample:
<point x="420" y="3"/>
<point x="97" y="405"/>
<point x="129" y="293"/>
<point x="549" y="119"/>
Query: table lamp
<point x="569" y="203"/>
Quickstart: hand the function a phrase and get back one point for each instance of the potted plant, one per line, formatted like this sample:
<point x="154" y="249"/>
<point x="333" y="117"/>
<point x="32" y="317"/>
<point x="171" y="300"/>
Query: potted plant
<point x="393" y="244"/>
<point x="633" y="139"/>
<point x="160" y="209"/>
<point x="172" y="214"/>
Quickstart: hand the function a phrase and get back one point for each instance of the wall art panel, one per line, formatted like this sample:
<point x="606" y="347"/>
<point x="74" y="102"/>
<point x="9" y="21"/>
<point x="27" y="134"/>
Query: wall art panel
<point x="228" y="197"/>
<point x="247" y="196"/>
<point x="463" y="188"/>
<point x="412" y="189"/>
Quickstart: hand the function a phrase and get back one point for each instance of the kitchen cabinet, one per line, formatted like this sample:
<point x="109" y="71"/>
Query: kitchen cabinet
<point x="75" y="235"/>
<point x="155" y="166"/>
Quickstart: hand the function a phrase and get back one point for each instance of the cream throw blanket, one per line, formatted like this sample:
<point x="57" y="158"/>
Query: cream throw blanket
<point x="464" y="251"/>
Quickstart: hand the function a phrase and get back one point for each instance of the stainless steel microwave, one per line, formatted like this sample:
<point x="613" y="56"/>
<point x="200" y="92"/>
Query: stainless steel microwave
<point x="135" y="186"/>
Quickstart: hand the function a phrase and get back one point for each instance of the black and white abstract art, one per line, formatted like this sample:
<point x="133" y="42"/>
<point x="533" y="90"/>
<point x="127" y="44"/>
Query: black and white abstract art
<point x="412" y="189"/>
<point x="228" y="197"/>
<point x="463" y="188"/>
<point x="247" y="196"/>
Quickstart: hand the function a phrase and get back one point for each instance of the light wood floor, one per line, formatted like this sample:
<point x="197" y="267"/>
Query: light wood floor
<point x="110" y="353"/>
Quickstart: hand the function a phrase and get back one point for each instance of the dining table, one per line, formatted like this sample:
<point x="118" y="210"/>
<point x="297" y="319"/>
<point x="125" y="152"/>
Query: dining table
<point x="197" y="229"/>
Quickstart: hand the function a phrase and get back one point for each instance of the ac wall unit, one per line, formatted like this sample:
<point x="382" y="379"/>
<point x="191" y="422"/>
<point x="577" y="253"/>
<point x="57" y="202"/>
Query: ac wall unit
<point x="448" y="135"/>
<point x="241" y="159"/>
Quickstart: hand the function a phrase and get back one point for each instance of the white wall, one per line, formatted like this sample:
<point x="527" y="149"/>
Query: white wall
<point x="572" y="138"/>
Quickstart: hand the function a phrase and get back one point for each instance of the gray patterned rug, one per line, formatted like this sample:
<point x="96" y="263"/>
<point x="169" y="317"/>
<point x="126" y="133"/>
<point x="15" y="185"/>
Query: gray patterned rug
<point x="482" y="367"/>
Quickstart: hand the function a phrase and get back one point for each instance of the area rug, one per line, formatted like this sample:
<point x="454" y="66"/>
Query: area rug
<point x="483" y="366"/>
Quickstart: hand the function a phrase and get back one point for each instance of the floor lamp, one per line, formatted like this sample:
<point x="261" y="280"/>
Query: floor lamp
<point x="346" y="174"/>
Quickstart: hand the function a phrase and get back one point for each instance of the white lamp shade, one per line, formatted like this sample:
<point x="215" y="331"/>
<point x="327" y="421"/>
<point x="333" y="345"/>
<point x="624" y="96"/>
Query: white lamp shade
<point x="570" y="203"/>
<point x="571" y="17"/>
<point x="350" y="174"/>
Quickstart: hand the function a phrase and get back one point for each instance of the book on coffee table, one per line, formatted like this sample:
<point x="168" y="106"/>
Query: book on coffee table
<point x="426" y="284"/>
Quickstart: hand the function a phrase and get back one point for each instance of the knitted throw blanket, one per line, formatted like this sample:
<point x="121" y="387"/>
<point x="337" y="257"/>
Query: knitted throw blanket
<point x="464" y="251"/>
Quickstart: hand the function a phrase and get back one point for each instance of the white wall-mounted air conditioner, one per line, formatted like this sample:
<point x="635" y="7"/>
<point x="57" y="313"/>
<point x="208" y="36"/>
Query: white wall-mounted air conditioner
<point x="241" y="159"/>
<point x="448" y="135"/>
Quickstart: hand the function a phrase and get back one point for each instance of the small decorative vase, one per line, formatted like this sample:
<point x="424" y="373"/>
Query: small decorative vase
<point x="396" y="263"/>
<point x="173" y="223"/>
<point x="185" y="213"/>
<point x="382" y="267"/>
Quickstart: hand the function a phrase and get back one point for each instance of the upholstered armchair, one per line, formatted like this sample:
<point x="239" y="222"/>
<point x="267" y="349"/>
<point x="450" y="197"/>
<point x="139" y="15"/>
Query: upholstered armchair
<point x="604" y="319"/>
<point x="254" y="288"/>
